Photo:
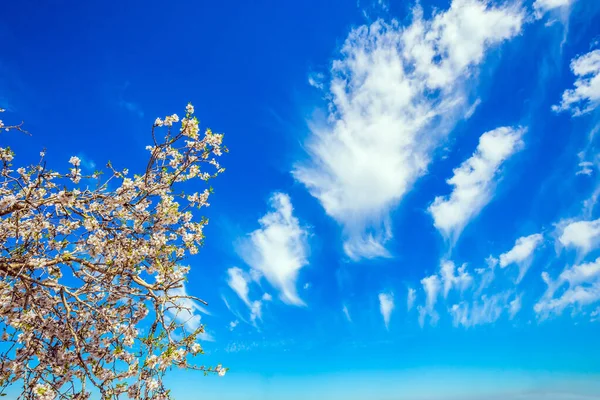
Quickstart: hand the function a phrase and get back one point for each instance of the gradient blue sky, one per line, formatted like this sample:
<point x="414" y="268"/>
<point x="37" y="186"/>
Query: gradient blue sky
<point x="409" y="207"/>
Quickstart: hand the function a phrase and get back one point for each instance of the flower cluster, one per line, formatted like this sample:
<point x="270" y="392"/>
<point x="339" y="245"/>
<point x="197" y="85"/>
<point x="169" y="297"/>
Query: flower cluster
<point x="168" y="121"/>
<point x="91" y="280"/>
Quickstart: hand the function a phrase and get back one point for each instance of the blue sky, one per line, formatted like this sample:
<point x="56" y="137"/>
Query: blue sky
<point x="409" y="207"/>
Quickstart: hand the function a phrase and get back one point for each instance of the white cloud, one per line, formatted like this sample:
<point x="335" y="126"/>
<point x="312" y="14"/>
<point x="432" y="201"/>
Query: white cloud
<point x="431" y="286"/>
<point x="586" y="94"/>
<point x="590" y="203"/>
<point x="132" y="107"/>
<point x="231" y="309"/>
<point x="410" y="298"/>
<point x="386" y="305"/>
<point x="86" y="162"/>
<point x="316" y="80"/>
<point x="486" y="311"/>
<point x="522" y="250"/>
<point x="236" y="347"/>
<point x="233" y="324"/>
<point x="577" y="296"/>
<point x="475" y="306"/>
<point x="255" y="311"/>
<point x="515" y="306"/>
<point x="278" y="250"/>
<point x="460" y="281"/>
<point x="238" y="282"/>
<point x="267" y="297"/>
<point x="582" y="235"/>
<point x="543" y="6"/>
<point x="582" y="289"/>
<point x="522" y="253"/>
<point x="474" y="181"/>
<point x="346" y="313"/>
<point x="396" y="92"/>
<point x="595" y="315"/>
<point x="582" y="273"/>
<point x="186" y="310"/>
<point x="586" y="168"/>
<point x="487" y="274"/>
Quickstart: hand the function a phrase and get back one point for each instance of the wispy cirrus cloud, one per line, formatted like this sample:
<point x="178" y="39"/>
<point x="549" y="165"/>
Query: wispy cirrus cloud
<point x="471" y="310"/>
<point x="132" y="107"/>
<point x="396" y="93"/>
<point x="461" y="280"/>
<point x="346" y="313"/>
<point x="386" y="306"/>
<point x="515" y="306"/>
<point x="469" y="298"/>
<point x="411" y="297"/>
<point x="469" y="307"/>
<point x="586" y="95"/>
<point x="187" y="311"/>
<point x="86" y="162"/>
<point x="541" y="7"/>
<point x="128" y="105"/>
<point x="431" y="287"/>
<point x="474" y="181"/>
<point x="577" y="287"/>
<point x="486" y="310"/>
<point x="238" y="282"/>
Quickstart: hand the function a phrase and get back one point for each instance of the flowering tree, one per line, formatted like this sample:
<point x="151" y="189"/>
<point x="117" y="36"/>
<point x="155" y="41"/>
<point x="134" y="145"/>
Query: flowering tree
<point x="91" y="281"/>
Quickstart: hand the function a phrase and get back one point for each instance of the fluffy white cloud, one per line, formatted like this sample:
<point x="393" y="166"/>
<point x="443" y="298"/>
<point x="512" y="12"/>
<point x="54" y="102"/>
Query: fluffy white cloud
<point x="396" y="93"/>
<point x="522" y="253"/>
<point x="582" y="235"/>
<point x="410" y="298"/>
<point x="586" y="94"/>
<point x="278" y="250"/>
<point x="386" y="305"/>
<point x="582" y="289"/>
<point x="582" y="273"/>
<point x="267" y="297"/>
<point x="474" y="181"/>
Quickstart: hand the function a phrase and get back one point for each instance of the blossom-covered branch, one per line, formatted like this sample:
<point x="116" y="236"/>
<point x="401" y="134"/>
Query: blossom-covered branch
<point x="91" y="280"/>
